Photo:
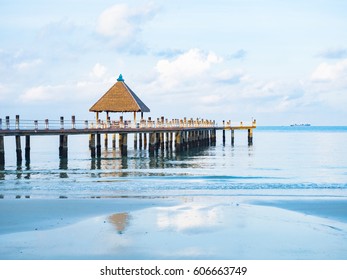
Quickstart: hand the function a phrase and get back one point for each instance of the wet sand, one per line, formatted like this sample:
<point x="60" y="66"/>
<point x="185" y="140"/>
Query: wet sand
<point x="181" y="227"/>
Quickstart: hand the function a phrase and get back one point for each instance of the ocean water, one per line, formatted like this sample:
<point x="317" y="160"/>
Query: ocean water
<point x="291" y="160"/>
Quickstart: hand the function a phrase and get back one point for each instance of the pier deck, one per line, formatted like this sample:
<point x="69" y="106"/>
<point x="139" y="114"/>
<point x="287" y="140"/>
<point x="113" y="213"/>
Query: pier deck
<point x="154" y="135"/>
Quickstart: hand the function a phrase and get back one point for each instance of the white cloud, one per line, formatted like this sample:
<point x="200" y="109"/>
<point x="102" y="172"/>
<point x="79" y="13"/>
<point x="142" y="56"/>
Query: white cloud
<point x="42" y="93"/>
<point x="187" y="67"/>
<point x="77" y="91"/>
<point x="115" y="21"/>
<point x="3" y="92"/>
<point x="27" y="65"/>
<point x="98" y="71"/>
<point x="190" y="219"/>
<point x="326" y="72"/>
<point x="122" y="23"/>
<point x="231" y="76"/>
<point x="336" y="53"/>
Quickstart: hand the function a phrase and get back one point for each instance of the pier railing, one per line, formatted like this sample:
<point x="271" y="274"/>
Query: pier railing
<point x="46" y="124"/>
<point x="19" y="124"/>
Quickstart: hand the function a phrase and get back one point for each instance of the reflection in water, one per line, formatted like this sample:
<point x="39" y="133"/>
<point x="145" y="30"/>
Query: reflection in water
<point x="27" y="170"/>
<point x="111" y="165"/>
<point x="139" y="163"/>
<point x="19" y="172"/>
<point x="192" y="219"/>
<point x="2" y="172"/>
<point x="120" y="221"/>
<point x="63" y="166"/>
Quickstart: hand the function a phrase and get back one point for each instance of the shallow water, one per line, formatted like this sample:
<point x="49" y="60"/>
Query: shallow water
<point x="295" y="159"/>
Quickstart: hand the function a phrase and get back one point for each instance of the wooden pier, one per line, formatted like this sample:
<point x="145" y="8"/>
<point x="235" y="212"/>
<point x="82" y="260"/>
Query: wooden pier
<point x="178" y="134"/>
<point x="148" y="135"/>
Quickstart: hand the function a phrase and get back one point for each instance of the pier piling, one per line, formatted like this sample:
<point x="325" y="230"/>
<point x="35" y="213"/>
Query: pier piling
<point x="63" y="146"/>
<point x="92" y="145"/>
<point x="98" y="145"/>
<point x="178" y="141"/>
<point x="223" y="133"/>
<point x="145" y="141"/>
<point x="18" y="150"/>
<point x="105" y="141"/>
<point x="152" y="143"/>
<point x="2" y="152"/>
<point x="123" y="141"/>
<point x="232" y="137"/>
<point x="135" y="141"/>
<point x="114" y="141"/>
<point x="250" y="137"/>
<point x="27" y="149"/>
<point x="140" y="141"/>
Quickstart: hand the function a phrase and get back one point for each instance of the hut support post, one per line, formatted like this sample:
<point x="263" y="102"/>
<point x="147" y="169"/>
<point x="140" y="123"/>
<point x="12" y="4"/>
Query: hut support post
<point x="27" y="148"/>
<point x="98" y="145"/>
<point x="2" y="152"/>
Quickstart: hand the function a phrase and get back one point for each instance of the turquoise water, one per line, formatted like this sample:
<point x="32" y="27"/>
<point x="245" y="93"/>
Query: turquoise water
<point x="281" y="159"/>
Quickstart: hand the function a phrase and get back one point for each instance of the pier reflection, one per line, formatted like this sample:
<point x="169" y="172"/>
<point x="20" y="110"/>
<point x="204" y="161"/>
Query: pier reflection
<point x="2" y="172"/>
<point x="27" y="170"/>
<point x="19" y="172"/>
<point x="139" y="163"/>
<point x="111" y="164"/>
<point x="120" y="221"/>
<point x="63" y="166"/>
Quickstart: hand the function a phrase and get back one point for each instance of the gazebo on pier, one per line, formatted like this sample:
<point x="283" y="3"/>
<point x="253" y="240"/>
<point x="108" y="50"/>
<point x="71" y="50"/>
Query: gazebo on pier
<point x="119" y="99"/>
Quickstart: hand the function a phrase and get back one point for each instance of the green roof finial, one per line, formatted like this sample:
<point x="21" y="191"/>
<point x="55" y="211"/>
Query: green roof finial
<point x="120" y="78"/>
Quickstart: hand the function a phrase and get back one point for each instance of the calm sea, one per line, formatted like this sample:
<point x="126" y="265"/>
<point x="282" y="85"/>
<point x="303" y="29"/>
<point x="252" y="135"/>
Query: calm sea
<point x="281" y="159"/>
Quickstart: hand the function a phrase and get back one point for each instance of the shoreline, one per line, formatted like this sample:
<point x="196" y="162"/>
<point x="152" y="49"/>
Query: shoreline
<point x="175" y="227"/>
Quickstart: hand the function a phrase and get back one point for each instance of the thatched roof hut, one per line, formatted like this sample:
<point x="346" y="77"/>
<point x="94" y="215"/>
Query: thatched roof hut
<point x="119" y="98"/>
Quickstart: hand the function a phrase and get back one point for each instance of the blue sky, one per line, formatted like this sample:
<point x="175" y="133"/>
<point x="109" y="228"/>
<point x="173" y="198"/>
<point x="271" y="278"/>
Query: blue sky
<point x="280" y="62"/>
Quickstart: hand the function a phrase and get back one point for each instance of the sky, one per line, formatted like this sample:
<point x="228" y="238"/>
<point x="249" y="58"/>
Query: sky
<point x="280" y="62"/>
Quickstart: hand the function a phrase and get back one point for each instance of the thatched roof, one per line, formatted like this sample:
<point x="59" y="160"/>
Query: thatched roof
<point x="119" y="98"/>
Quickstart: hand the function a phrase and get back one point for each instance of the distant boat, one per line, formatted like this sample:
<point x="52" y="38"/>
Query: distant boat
<point x="301" y="124"/>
